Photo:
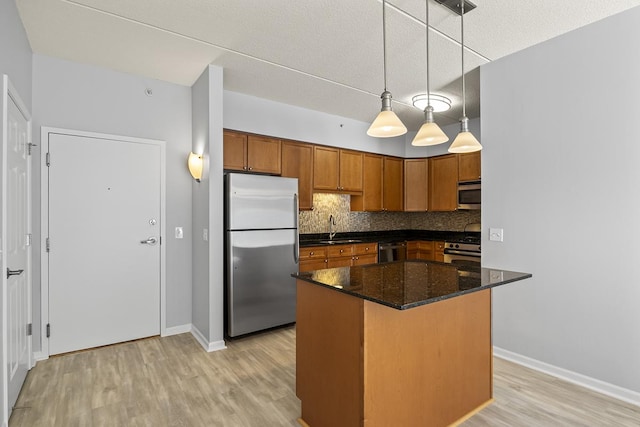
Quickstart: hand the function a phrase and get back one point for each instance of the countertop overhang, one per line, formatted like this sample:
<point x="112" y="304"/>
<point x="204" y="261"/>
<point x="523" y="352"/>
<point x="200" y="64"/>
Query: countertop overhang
<point x="407" y="284"/>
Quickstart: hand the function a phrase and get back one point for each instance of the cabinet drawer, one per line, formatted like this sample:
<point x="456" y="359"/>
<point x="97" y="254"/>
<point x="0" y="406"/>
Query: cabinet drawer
<point x="339" y="251"/>
<point x="365" y="259"/>
<point x="313" y="252"/>
<point x="312" y="264"/>
<point x="365" y="248"/>
<point x="339" y="262"/>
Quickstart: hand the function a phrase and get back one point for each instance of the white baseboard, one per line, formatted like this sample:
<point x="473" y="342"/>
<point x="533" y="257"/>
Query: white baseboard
<point x="208" y="346"/>
<point x="39" y="356"/>
<point x="596" y="385"/>
<point x="176" y="330"/>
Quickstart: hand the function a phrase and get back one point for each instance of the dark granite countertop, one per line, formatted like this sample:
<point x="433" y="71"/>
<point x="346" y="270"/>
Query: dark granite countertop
<point x="407" y="284"/>
<point x="384" y="236"/>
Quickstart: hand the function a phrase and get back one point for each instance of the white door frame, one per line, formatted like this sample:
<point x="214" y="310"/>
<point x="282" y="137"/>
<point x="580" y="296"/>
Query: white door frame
<point x="44" y="141"/>
<point x="9" y="91"/>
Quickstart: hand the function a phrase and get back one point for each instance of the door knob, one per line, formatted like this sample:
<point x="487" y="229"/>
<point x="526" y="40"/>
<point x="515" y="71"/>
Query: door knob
<point x="149" y="241"/>
<point x="13" y="273"/>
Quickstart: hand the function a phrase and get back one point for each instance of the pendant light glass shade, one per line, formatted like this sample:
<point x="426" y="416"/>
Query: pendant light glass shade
<point x="386" y="124"/>
<point x="429" y="133"/>
<point x="465" y="142"/>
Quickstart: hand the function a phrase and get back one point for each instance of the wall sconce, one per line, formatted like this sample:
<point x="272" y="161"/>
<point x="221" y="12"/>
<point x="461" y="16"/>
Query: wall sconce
<point x="195" y="164"/>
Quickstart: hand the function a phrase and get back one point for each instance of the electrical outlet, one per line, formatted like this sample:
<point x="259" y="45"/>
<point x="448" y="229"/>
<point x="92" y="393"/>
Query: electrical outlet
<point x="179" y="233"/>
<point x="496" y="234"/>
<point x="205" y="234"/>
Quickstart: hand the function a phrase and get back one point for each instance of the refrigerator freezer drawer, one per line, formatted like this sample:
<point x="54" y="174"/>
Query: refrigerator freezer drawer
<point x="260" y="290"/>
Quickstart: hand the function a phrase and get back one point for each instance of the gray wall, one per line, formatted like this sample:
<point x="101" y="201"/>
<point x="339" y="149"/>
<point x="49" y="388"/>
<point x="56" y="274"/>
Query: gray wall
<point x="75" y="96"/>
<point x="560" y="175"/>
<point x="15" y="61"/>
<point x="208" y="272"/>
<point x="200" y="213"/>
<point x="251" y="114"/>
<point x="15" y="51"/>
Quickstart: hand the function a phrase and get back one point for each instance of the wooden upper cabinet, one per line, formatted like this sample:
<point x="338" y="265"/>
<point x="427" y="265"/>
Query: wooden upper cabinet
<point x="351" y="171"/>
<point x="297" y="162"/>
<point x="336" y="170"/>
<point x="235" y="150"/>
<point x="469" y="166"/>
<point x="371" y="199"/>
<point x="264" y="154"/>
<point x="251" y="153"/>
<point x="443" y="183"/>
<point x="326" y="173"/>
<point x="392" y="184"/>
<point x="415" y="185"/>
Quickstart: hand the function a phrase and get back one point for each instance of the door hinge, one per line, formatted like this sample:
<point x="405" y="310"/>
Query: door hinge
<point x="29" y="329"/>
<point x="29" y="239"/>
<point x="30" y="146"/>
<point x="48" y="245"/>
<point x="48" y="330"/>
<point x="48" y="160"/>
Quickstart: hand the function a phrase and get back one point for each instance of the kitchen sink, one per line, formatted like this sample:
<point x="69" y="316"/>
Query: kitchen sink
<point x="337" y="242"/>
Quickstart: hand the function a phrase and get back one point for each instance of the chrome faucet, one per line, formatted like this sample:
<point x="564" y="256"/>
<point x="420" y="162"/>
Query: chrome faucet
<point x="332" y="223"/>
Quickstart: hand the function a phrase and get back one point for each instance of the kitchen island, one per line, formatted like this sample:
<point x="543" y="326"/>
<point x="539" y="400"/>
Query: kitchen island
<point x="397" y="344"/>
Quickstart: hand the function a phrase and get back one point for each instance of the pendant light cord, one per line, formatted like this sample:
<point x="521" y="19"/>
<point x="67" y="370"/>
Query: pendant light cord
<point x="464" y="101"/>
<point x="427" y="25"/>
<point x="384" y="45"/>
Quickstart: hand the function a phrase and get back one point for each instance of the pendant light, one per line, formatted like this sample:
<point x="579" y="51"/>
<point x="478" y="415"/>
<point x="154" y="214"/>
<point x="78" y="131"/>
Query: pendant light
<point x="465" y="142"/>
<point x="429" y="133"/>
<point x="387" y="124"/>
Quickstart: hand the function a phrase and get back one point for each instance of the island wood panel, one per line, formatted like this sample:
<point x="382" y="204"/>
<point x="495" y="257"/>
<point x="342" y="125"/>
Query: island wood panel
<point x="329" y="380"/>
<point x="415" y="185"/>
<point x="297" y="162"/>
<point x="427" y="366"/>
<point x="360" y="363"/>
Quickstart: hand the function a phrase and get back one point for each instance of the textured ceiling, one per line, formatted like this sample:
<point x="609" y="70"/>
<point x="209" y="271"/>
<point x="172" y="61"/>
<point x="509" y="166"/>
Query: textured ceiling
<point x="325" y="55"/>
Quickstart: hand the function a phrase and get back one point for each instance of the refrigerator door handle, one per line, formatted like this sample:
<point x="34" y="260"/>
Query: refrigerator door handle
<point x="296" y="246"/>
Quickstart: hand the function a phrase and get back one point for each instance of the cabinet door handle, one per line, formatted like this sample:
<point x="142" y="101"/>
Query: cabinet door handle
<point x="310" y="253"/>
<point x="341" y="250"/>
<point x="250" y="168"/>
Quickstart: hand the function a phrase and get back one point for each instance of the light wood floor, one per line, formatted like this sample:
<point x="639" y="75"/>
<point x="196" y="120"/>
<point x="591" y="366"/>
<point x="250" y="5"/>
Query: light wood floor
<point x="173" y="382"/>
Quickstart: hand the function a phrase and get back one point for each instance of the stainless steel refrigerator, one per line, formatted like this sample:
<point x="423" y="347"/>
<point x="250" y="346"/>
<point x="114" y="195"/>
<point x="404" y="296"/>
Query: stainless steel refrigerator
<point x="262" y="250"/>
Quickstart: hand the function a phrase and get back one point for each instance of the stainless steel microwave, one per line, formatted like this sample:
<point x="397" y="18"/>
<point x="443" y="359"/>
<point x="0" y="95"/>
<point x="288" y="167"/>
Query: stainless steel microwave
<point x="469" y="196"/>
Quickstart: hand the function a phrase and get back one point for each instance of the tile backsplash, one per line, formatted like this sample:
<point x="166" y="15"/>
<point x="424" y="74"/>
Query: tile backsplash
<point x="338" y="205"/>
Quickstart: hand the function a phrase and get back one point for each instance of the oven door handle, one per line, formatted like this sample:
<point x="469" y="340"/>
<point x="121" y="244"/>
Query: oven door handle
<point x="455" y="252"/>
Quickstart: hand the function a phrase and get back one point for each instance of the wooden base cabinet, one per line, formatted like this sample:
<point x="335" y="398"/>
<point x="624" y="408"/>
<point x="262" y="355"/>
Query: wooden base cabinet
<point x="359" y="363"/>
<point x="334" y="256"/>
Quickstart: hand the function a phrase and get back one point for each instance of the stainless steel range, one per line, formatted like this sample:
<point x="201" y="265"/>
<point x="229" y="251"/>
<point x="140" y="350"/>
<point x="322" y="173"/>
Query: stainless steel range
<point x="465" y="251"/>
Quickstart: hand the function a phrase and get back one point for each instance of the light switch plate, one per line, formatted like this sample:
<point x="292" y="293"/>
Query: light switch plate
<point x="496" y="234"/>
<point x="179" y="233"/>
<point x="205" y="234"/>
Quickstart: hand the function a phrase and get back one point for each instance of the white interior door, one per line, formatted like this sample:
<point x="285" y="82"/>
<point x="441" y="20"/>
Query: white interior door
<point x="16" y="244"/>
<point x="104" y="241"/>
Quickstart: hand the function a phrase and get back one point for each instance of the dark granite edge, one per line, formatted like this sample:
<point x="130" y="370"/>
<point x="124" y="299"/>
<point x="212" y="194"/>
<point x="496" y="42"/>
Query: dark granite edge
<point x="315" y="239"/>
<point x="305" y="276"/>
